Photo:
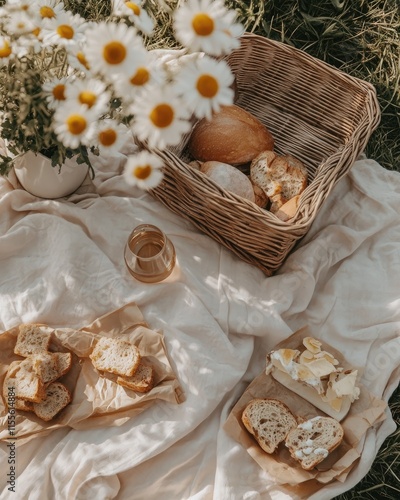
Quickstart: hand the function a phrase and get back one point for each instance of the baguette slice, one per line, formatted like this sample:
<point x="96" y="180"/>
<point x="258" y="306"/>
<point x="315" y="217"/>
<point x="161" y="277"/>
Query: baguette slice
<point x="141" y="381"/>
<point x="269" y="420"/>
<point x="32" y="339"/>
<point x="57" y="398"/>
<point x="24" y="382"/>
<point x="116" y="356"/>
<point x="312" y="441"/>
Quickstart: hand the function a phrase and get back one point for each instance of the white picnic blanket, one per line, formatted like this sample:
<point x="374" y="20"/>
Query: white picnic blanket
<point x="61" y="263"/>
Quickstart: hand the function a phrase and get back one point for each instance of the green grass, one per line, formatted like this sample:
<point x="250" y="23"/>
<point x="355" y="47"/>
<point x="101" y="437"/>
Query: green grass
<point x="359" y="37"/>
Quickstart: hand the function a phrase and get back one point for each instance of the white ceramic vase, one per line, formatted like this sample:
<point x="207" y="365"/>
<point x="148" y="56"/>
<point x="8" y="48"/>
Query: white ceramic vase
<point x="38" y="177"/>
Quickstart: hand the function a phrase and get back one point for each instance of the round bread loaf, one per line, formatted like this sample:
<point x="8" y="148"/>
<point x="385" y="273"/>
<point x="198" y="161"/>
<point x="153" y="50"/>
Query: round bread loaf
<point x="229" y="178"/>
<point x="232" y="136"/>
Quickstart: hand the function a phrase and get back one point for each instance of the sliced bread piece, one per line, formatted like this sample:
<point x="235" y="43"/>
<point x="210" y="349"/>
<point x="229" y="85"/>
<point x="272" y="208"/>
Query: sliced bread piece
<point x="22" y="405"/>
<point x="280" y="177"/>
<point x="22" y="380"/>
<point x="269" y="420"/>
<point x="45" y="365"/>
<point x="141" y="381"/>
<point x="57" y="398"/>
<point x="116" y="356"/>
<point x="312" y="441"/>
<point x="64" y="362"/>
<point x="32" y="339"/>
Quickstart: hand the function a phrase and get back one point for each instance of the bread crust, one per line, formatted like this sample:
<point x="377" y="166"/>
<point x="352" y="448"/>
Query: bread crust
<point x="232" y="136"/>
<point x="229" y="178"/>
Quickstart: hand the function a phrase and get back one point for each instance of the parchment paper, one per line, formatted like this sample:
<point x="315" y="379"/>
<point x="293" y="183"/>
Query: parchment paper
<point x="97" y="400"/>
<point x="364" y="412"/>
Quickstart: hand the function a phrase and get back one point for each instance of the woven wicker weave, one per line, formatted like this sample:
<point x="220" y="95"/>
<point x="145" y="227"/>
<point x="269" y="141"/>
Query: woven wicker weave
<point x="315" y="112"/>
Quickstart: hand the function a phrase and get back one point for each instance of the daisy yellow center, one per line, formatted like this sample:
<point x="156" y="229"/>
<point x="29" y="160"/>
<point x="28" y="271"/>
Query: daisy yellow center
<point x="107" y="137"/>
<point x="162" y="115"/>
<point x="76" y="124"/>
<point x="207" y="86"/>
<point x="59" y="92"/>
<point x="142" y="172"/>
<point x="82" y="59"/>
<point x="141" y="77"/>
<point x="21" y="25"/>
<point x="203" y="24"/>
<point x="36" y="32"/>
<point x="134" y="7"/>
<point x="65" y="31"/>
<point x="114" y="53"/>
<point x="88" y="98"/>
<point x="47" y="11"/>
<point x="5" y="50"/>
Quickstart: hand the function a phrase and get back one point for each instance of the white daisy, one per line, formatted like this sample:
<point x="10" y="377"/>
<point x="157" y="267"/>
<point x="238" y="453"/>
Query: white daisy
<point x="90" y="92"/>
<point x="6" y="50"/>
<point x="160" y="117"/>
<point x="143" y="170"/>
<point x="56" y="91"/>
<point x="112" y="48"/>
<point x="77" y="58"/>
<point x="48" y="9"/>
<point x="74" y="124"/>
<point x="19" y="23"/>
<point x="204" y="85"/>
<point x="20" y="6"/>
<point x="206" y="25"/>
<point x="65" y="29"/>
<point x="132" y="81"/>
<point x="110" y="136"/>
<point x="135" y="13"/>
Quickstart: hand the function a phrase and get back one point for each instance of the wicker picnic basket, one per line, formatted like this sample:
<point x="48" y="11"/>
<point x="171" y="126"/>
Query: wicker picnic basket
<point x="314" y="112"/>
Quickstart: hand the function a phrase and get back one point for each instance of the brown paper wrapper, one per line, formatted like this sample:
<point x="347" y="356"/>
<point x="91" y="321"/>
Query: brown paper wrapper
<point x="97" y="400"/>
<point x="364" y="413"/>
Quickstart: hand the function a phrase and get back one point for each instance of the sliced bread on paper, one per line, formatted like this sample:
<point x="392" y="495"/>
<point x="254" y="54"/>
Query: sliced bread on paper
<point x="64" y="362"/>
<point x="312" y="441"/>
<point x="45" y="365"/>
<point x="141" y="381"/>
<point x="23" y="382"/>
<point x="57" y="397"/>
<point x="269" y="420"/>
<point x="32" y="339"/>
<point x="116" y="356"/>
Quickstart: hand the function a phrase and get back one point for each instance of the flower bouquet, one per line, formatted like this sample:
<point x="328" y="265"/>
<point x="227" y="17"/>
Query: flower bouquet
<point x="71" y="86"/>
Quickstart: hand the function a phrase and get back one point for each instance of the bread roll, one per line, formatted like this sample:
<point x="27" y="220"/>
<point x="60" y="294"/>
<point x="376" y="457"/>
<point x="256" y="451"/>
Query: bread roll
<point x="232" y="136"/>
<point x="229" y="178"/>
